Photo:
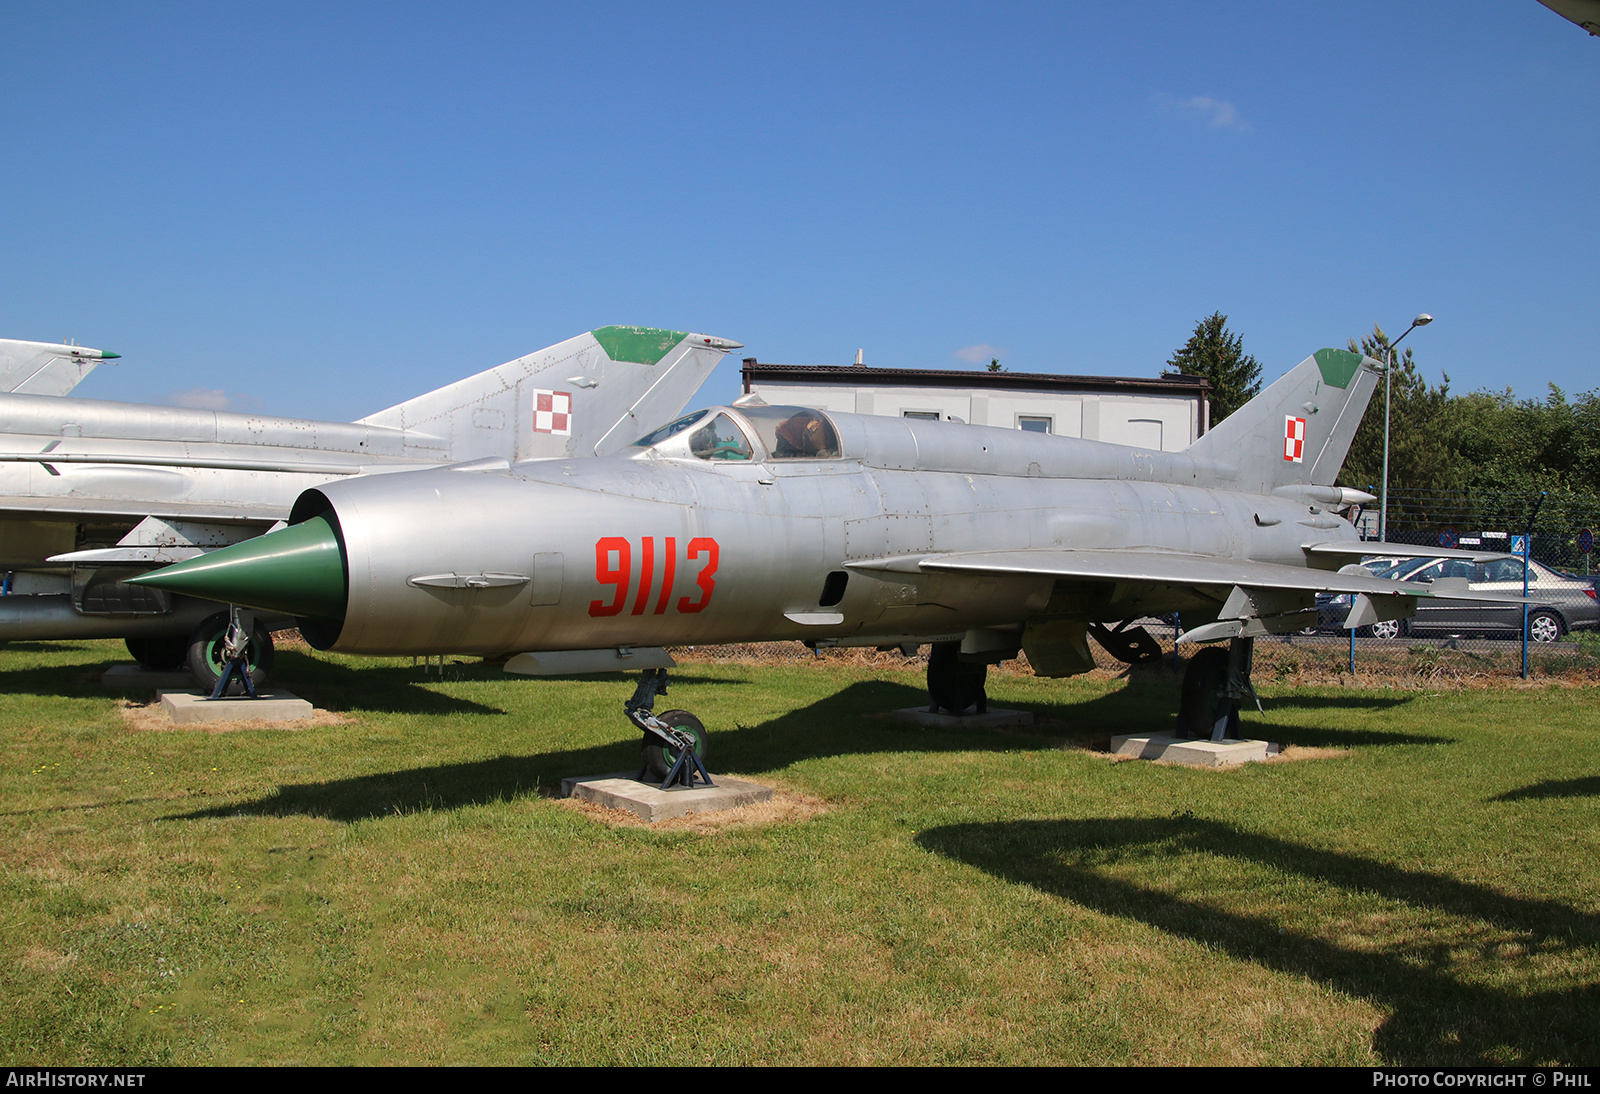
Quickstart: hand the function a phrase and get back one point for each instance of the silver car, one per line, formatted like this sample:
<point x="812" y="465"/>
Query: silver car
<point x="1560" y="603"/>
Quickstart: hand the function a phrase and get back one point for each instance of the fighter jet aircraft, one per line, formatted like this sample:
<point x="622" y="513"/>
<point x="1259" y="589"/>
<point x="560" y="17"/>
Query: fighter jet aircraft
<point x="92" y="492"/>
<point x="46" y="368"/>
<point x="752" y="522"/>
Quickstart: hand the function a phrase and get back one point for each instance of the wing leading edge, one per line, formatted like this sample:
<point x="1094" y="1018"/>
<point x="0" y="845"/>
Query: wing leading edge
<point x="1160" y="567"/>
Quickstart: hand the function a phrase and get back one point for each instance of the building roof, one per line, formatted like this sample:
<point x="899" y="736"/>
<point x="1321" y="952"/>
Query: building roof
<point x="863" y="376"/>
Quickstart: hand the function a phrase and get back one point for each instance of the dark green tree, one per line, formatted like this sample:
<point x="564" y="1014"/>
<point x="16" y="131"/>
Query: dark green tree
<point x="1480" y="461"/>
<point x="1217" y="354"/>
<point x="995" y="365"/>
<point x="1424" y="461"/>
<point x="1515" y="451"/>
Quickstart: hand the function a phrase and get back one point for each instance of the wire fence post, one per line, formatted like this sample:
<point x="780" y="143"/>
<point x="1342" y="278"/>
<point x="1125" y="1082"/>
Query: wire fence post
<point x="1525" y="540"/>
<point x="1527" y="552"/>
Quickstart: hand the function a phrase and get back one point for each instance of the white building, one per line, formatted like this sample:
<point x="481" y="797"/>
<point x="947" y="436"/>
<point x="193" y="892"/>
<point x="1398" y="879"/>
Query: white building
<point x="1165" y="414"/>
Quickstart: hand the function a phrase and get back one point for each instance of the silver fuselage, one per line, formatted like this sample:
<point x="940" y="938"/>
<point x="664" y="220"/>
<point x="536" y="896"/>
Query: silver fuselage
<point x="656" y="547"/>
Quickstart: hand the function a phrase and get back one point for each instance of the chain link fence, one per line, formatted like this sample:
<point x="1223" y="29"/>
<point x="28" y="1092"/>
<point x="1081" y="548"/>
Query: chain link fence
<point x="1301" y="659"/>
<point x="1558" y="633"/>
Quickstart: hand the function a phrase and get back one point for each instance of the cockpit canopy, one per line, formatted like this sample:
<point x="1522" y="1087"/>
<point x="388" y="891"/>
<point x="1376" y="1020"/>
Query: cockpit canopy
<point x="785" y="432"/>
<point x="719" y="439"/>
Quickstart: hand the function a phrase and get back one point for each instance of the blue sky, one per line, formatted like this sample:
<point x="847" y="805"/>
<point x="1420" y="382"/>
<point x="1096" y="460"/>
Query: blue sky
<point x="322" y="209"/>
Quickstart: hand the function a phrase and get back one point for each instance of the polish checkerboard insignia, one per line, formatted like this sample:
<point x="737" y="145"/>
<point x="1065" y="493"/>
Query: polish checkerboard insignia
<point x="552" y="412"/>
<point x="1294" y="439"/>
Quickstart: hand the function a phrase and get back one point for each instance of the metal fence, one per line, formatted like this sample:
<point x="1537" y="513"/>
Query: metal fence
<point x="1547" y="546"/>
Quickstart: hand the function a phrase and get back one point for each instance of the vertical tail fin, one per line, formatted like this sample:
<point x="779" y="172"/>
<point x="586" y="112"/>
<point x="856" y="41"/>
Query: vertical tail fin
<point x="586" y="396"/>
<point x="1300" y="428"/>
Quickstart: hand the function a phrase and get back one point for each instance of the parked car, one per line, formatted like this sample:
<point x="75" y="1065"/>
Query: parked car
<point x="1375" y="565"/>
<point x="1331" y="609"/>
<point x="1560" y="603"/>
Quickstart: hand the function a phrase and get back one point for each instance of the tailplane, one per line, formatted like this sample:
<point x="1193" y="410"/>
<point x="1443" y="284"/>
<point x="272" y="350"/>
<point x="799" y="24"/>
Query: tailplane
<point x="586" y="396"/>
<point x="1300" y="428"/>
<point x="46" y="368"/>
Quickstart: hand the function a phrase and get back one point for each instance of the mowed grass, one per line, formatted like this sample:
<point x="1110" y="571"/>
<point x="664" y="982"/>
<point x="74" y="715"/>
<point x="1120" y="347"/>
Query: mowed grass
<point x="399" y="888"/>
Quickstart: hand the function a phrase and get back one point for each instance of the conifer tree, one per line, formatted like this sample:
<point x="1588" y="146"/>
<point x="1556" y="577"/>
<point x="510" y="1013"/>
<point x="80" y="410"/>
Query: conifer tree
<point x="1217" y="354"/>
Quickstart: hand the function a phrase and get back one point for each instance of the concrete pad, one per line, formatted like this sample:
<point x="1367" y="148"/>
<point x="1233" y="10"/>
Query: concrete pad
<point x="1184" y="750"/>
<point x="273" y="706"/>
<point x="650" y="803"/>
<point x="128" y="677"/>
<point x="994" y="719"/>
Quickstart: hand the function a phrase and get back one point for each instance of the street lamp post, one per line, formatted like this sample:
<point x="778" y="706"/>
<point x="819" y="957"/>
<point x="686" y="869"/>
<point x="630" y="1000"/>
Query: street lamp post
<point x="1388" y="383"/>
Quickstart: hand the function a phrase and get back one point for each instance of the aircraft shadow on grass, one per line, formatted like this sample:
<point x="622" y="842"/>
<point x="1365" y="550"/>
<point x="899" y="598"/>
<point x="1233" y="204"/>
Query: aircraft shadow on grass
<point x="411" y="689"/>
<point x="832" y="726"/>
<point x="852" y="721"/>
<point x="1434" y="1017"/>
<point x="1586" y="787"/>
<point x="39" y="647"/>
<point x="1147" y="705"/>
<point x="398" y="690"/>
<point x="77" y="681"/>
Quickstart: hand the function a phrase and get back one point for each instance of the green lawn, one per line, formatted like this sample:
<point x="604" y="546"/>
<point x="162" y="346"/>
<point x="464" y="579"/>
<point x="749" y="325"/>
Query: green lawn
<point x="399" y="887"/>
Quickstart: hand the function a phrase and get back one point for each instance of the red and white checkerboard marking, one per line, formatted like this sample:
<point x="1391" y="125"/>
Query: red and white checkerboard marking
<point x="552" y="412"/>
<point x="1294" y="439"/>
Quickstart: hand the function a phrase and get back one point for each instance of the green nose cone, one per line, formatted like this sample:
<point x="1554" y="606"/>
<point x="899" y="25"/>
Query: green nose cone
<point x="297" y="570"/>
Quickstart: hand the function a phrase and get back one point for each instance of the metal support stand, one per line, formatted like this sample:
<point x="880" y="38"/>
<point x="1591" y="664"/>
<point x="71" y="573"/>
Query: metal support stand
<point x="236" y="652"/>
<point x="1241" y="657"/>
<point x="688" y="771"/>
<point x="682" y="774"/>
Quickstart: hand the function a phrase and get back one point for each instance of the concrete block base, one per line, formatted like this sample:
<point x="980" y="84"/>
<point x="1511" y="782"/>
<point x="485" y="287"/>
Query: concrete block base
<point x="131" y="677"/>
<point x="650" y="803"/>
<point x="273" y="706"/>
<point x="1184" y="750"/>
<point x="994" y="719"/>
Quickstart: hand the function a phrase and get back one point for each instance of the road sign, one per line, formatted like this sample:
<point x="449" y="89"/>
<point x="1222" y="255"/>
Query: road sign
<point x="1448" y="539"/>
<point x="1585" y="541"/>
<point x="1519" y="545"/>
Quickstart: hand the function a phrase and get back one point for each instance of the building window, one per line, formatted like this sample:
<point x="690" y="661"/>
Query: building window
<point x="923" y="415"/>
<point x="1030" y="423"/>
<point x="1144" y="433"/>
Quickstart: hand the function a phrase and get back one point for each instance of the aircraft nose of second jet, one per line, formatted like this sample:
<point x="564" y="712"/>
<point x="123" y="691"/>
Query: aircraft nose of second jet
<point x="298" y="570"/>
